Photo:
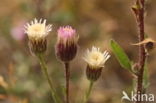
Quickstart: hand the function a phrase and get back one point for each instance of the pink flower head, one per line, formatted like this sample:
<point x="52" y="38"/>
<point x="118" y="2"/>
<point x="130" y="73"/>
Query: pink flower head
<point x="17" y="31"/>
<point x="66" y="32"/>
<point x="66" y="46"/>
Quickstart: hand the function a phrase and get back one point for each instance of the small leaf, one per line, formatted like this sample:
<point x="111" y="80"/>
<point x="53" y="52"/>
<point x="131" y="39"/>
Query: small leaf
<point x="121" y="55"/>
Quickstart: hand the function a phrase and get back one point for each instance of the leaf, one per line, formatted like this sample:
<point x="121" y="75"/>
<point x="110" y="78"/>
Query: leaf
<point x="121" y="55"/>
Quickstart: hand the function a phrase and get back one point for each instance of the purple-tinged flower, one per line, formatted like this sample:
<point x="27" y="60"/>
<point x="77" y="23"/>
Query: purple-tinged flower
<point x="67" y="34"/>
<point x="66" y="47"/>
<point x="17" y="32"/>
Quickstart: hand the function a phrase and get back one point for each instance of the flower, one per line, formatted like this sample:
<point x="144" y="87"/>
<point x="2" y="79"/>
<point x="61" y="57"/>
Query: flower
<point x="37" y="32"/>
<point x="17" y="31"/>
<point x="95" y="58"/>
<point x="66" y="46"/>
<point x="67" y="34"/>
<point x="37" y="29"/>
<point x="95" y="62"/>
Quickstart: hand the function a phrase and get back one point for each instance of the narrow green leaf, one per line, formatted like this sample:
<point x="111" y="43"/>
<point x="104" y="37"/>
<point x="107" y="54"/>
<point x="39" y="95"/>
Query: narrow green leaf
<point x="121" y="55"/>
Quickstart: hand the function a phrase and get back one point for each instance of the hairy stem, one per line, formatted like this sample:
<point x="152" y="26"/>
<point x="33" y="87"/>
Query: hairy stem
<point x="142" y="54"/>
<point x="67" y="73"/>
<point x="45" y="71"/>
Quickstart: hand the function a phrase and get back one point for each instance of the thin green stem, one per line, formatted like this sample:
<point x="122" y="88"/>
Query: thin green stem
<point x="45" y="71"/>
<point x="88" y="92"/>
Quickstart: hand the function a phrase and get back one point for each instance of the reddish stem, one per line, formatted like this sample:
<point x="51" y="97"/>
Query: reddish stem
<point x="142" y="53"/>
<point x="67" y="70"/>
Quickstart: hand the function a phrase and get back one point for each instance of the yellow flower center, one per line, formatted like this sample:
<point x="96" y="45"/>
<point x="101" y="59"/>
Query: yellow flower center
<point x="95" y="56"/>
<point x="37" y="28"/>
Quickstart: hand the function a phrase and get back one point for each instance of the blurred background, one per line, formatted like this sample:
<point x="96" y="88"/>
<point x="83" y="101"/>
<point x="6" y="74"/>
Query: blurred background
<point x="96" y="22"/>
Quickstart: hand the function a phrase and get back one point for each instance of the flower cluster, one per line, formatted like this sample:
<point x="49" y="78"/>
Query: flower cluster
<point x="66" y="50"/>
<point x="66" y="46"/>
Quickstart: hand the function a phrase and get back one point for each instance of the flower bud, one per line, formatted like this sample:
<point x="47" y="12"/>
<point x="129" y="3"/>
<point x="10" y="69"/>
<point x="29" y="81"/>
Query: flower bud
<point x="37" y="32"/>
<point x="95" y="63"/>
<point x="66" y="46"/>
<point x="150" y="46"/>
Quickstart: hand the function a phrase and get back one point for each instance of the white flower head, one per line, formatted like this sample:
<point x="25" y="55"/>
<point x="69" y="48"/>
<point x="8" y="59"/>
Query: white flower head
<point x="37" y="29"/>
<point x="95" y="58"/>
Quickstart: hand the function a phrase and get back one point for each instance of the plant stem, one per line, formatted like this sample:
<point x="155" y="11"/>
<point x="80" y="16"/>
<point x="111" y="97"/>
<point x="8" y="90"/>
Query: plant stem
<point x="67" y="73"/>
<point x="45" y="71"/>
<point x="142" y="53"/>
<point x="89" y="91"/>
